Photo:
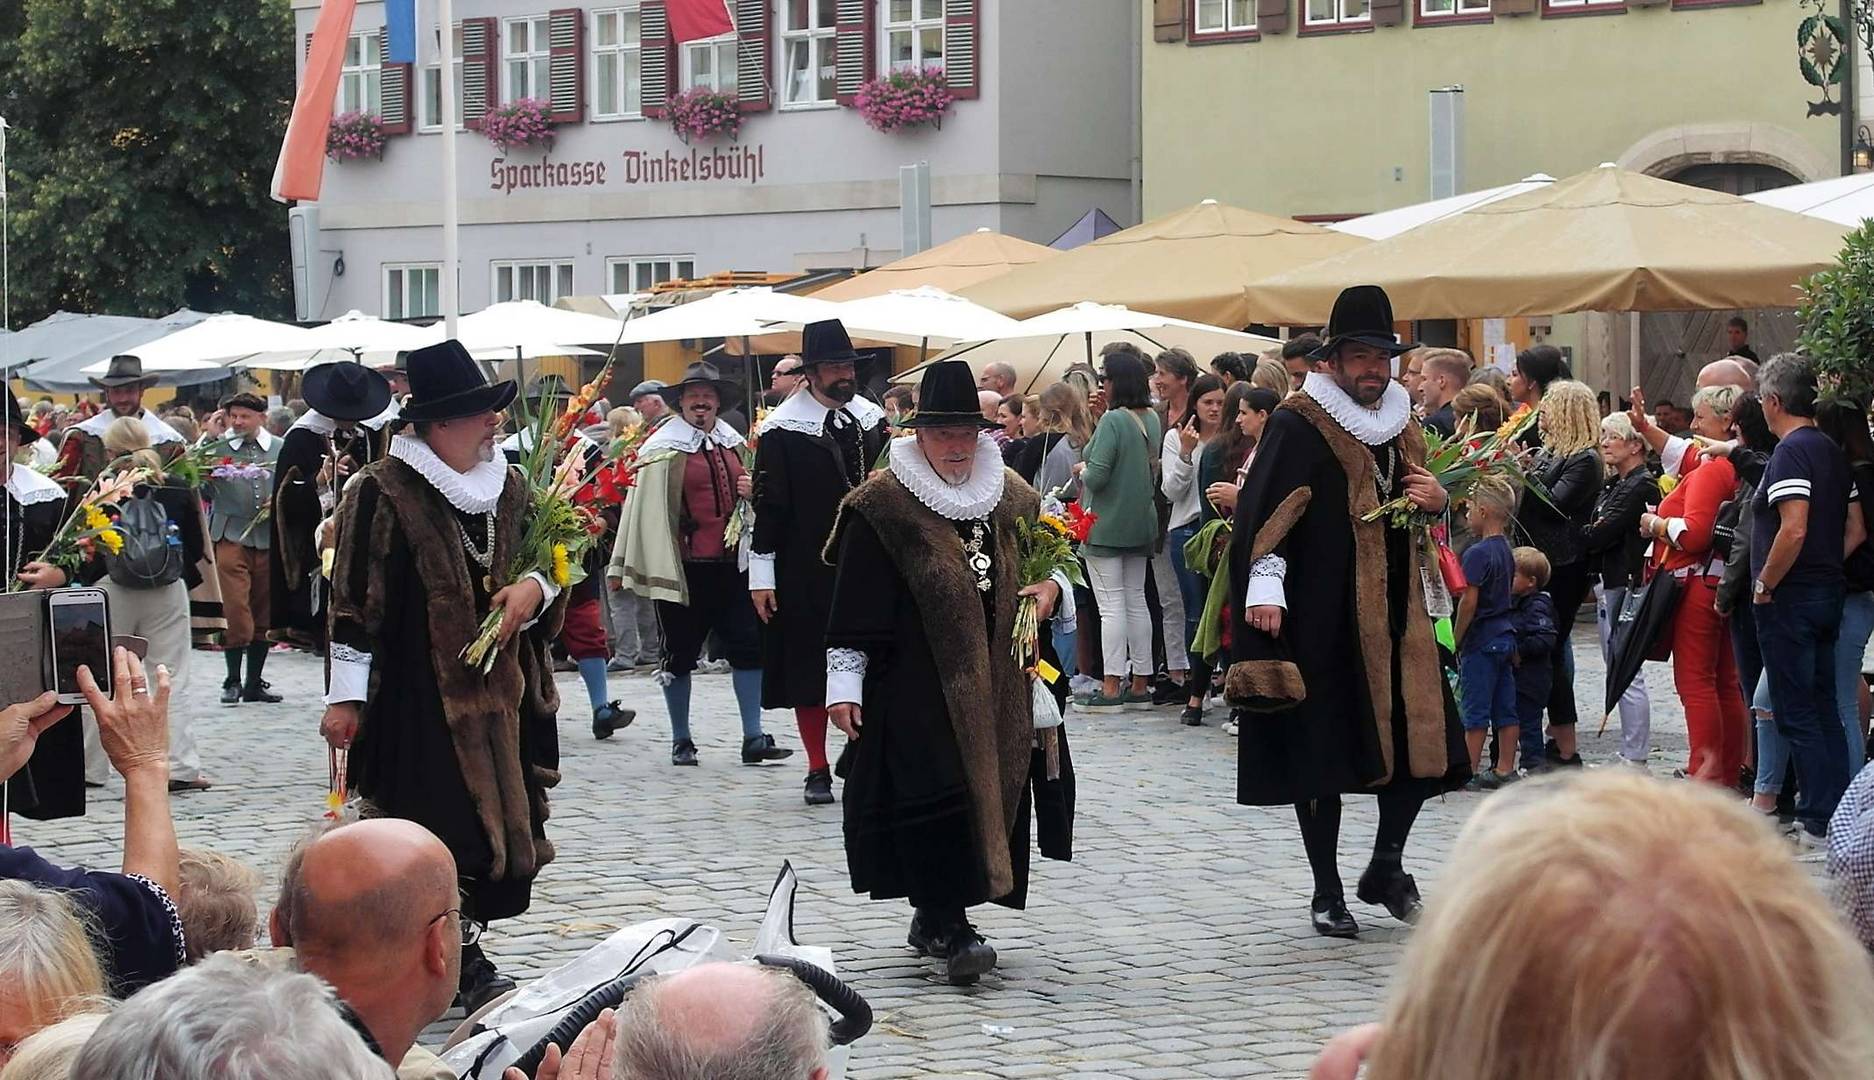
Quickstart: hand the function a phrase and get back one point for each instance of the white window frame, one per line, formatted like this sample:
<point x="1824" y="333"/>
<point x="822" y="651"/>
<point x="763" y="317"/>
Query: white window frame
<point x="915" y="27"/>
<point x="404" y="272"/>
<point x="1459" y="8"/>
<point x="537" y="59"/>
<point x="721" y="45"/>
<point x="1341" y="18"/>
<point x="1579" y="4"/>
<point x="621" y="50"/>
<point x="813" y="37"/>
<point x="556" y="273"/>
<point x="1227" y="9"/>
<point x="433" y="67"/>
<point x="365" y="79"/>
<point x="680" y="267"/>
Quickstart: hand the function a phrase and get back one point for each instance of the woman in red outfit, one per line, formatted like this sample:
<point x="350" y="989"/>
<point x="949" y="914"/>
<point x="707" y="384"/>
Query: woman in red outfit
<point x="1703" y="666"/>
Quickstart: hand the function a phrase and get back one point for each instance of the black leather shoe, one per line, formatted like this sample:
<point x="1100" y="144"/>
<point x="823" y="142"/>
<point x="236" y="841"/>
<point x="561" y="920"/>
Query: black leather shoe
<point x="608" y="718"/>
<point x="683" y="753"/>
<point x="480" y="982"/>
<point x="761" y="748"/>
<point x="1168" y="693"/>
<point x="966" y="956"/>
<point x="1392" y="888"/>
<point x="819" y="787"/>
<point x="923" y="935"/>
<point x="258" y="691"/>
<point x="231" y="692"/>
<point x="1192" y="716"/>
<point x="1332" y="919"/>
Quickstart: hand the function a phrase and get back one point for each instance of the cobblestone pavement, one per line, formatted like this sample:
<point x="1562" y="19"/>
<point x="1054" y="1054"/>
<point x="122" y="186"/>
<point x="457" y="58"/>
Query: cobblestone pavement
<point x="1175" y="945"/>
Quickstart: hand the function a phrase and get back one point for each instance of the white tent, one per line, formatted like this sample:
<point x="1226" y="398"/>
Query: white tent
<point x="1844" y="200"/>
<point x="352" y="336"/>
<point x="1389" y="223"/>
<point x="215" y="342"/>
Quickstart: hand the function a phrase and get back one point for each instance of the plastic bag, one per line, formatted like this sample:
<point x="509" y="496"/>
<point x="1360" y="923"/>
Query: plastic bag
<point x="1047" y="712"/>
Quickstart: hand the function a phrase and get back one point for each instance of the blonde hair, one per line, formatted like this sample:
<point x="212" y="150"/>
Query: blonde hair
<point x="128" y="437"/>
<point x="216" y="903"/>
<point x="1482" y="403"/>
<point x="1679" y="940"/>
<point x="1271" y="375"/>
<point x="1532" y="563"/>
<point x="1495" y="492"/>
<point x="622" y="419"/>
<point x="1571" y="417"/>
<point x="1618" y="425"/>
<point x="1064" y="408"/>
<point x="1719" y="399"/>
<point x="50" y="1052"/>
<point x="46" y="959"/>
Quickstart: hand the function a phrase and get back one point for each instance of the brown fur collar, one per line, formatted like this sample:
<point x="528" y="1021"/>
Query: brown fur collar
<point x="995" y="744"/>
<point x="483" y="712"/>
<point x="1420" y="670"/>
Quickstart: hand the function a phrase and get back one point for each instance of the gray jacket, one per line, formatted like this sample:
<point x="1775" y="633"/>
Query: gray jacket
<point x="237" y="503"/>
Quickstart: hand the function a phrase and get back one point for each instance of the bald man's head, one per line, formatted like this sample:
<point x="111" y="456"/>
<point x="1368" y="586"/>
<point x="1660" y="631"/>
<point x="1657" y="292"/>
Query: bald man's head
<point x="364" y="886"/>
<point x="989" y="401"/>
<point x="1730" y="371"/>
<point x="717" y="1020"/>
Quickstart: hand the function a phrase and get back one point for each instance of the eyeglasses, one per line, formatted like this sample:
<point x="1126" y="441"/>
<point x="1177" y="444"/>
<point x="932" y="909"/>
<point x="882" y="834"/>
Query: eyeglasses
<point x="471" y="930"/>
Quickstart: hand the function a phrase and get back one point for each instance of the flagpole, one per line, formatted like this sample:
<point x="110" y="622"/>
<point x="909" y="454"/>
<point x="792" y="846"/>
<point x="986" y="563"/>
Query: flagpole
<point x="451" y="304"/>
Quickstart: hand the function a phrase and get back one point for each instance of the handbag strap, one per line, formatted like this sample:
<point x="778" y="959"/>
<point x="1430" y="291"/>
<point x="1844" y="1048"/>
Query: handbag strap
<point x="1151" y="459"/>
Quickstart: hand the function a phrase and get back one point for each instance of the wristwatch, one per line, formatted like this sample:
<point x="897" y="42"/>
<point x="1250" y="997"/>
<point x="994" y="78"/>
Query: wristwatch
<point x="1758" y="588"/>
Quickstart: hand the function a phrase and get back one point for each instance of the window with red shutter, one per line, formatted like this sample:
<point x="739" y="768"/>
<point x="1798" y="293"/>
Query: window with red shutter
<point x="394" y="91"/>
<point x="654" y="56"/>
<point x="754" y="45"/>
<point x="854" y="47"/>
<point x="962" y="29"/>
<point x="566" y="78"/>
<point x="480" y="68"/>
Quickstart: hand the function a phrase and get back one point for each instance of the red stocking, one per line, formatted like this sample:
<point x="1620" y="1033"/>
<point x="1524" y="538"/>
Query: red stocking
<point x="812" y="723"/>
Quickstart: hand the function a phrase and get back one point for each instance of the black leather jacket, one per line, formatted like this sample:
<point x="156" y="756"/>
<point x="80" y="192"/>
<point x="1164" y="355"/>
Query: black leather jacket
<point x="1573" y="482"/>
<point x="1613" y="541"/>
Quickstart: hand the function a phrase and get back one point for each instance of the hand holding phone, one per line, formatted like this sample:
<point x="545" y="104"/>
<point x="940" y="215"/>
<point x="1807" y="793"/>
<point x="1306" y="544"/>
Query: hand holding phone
<point x="133" y="722"/>
<point x="81" y="637"/>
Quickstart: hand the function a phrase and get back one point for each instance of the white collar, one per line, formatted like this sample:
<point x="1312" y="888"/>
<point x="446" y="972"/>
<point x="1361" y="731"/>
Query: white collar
<point x="473" y="492"/>
<point x="680" y="435"/>
<point x="972" y="499"/>
<point x="316" y="422"/>
<point x="804" y="413"/>
<point x="160" y="432"/>
<point x="523" y="440"/>
<point x="29" y="486"/>
<point x="391" y="412"/>
<point x="1374" y="427"/>
<point x="261" y="436"/>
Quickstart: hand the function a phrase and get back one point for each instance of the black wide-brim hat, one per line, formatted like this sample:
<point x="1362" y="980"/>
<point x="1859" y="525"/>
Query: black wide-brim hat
<point x="345" y="391"/>
<point x="447" y="384"/>
<point x="1363" y="314"/>
<point x="947" y="398"/>
<point x="124" y="370"/>
<point x="25" y="431"/>
<point x="826" y="342"/>
<point x="703" y="373"/>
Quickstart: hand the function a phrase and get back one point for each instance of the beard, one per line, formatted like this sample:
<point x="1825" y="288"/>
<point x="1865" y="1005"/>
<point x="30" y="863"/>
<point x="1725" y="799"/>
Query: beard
<point x="1366" y="394"/>
<point x="841" y="390"/>
<point x="486" y="450"/>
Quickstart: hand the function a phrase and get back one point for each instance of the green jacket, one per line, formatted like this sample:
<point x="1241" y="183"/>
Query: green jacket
<point x="1117" y="483"/>
<point x="237" y="503"/>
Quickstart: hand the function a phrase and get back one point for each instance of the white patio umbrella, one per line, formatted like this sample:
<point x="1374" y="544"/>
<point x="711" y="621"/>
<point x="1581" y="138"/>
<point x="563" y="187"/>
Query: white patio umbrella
<point x="352" y="336"/>
<point x="731" y="313"/>
<point x="215" y="342"/>
<point x="1393" y="222"/>
<point x="1844" y="200"/>
<point x="529" y="326"/>
<point x="1046" y="345"/>
<point x="924" y="317"/>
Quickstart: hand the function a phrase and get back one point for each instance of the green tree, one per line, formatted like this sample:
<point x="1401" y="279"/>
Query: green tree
<point x="143" y="142"/>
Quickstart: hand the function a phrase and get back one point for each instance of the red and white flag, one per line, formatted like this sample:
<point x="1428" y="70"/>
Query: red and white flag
<point x="301" y="167"/>
<point x="691" y="20"/>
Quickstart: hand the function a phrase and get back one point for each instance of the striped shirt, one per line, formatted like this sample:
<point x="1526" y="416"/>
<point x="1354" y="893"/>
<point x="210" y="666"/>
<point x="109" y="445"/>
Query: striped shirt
<point x="1807" y="465"/>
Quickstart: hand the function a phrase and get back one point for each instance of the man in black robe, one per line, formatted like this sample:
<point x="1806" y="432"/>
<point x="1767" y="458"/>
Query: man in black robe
<point x="1341" y="674"/>
<point x="319" y="453"/>
<point x="944" y="758"/>
<point x="812" y="449"/>
<point x="422" y="535"/>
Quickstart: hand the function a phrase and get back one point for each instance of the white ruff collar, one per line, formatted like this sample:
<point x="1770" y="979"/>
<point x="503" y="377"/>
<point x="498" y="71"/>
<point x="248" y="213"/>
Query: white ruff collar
<point x="473" y="492"/>
<point x="391" y="412"/>
<point x="261" y="436"/>
<point x="1374" y="427"/>
<point x="29" y="487"/>
<point x="316" y="422"/>
<point x="972" y="499"/>
<point x="803" y="412"/>
<point x="160" y="432"/>
<point x="683" y="437"/>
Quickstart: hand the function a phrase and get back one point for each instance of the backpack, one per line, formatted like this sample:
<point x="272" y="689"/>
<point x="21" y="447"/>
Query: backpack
<point x="152" y="553"/>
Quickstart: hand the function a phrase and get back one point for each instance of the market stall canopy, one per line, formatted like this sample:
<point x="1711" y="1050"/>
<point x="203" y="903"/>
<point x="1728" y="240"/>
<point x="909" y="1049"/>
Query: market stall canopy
<point x="352" y="336"/>
<point x="1092" y="225"/>
<point x="1389" y="223"/>
<point x="730" y="313"/>
<point x="1190" y="264"/>
<point x="1845" y="200"/>
<point x="925" y="317"/>
<point x="1044" y="347"/>
<point x="1604" y="240"/>
<point x="951" y="266"/>
<point x="496" y="332"/>
<point x="211" y="345"/>
<point x="57" y="349"/>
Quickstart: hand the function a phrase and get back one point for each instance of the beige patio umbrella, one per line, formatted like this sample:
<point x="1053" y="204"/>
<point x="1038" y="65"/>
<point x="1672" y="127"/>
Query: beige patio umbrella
<point x="1603" y="240"/>
<point x="1190" y="264"/>
<point x="950" y="266"/>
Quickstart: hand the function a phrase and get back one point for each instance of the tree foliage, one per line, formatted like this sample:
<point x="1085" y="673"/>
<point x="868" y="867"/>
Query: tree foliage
<point x="1837" y="318"/>
<point x="144" y="134"/>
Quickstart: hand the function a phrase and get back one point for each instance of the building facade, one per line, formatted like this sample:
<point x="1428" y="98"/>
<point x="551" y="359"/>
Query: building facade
<point x="1040" y="131"/>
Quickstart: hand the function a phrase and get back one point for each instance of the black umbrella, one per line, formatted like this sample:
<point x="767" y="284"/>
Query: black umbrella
<point x="1642" y="631"/>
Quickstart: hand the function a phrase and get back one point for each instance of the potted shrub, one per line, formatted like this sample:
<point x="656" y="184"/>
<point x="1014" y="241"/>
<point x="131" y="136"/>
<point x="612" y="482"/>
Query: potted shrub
<point x="699" y="113"/>
<point x="905" y="99"/>
<point x="1837" y="316"/>
<point x="355" y="136"/>
<point x="519" y="124"/>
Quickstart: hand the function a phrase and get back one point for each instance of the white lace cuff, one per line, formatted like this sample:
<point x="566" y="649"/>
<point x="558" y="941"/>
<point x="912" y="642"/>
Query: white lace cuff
<point x="1266" y="576"/>
<point x="548" y="591"/>
<point x="1672" y="456"/>
<point x="845" y="677"/>
<point x="351" y="675"/>
<point x="760" y="570"/>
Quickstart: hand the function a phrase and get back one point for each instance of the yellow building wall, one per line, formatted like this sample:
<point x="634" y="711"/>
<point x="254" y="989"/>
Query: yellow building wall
<point x="1339" y="124"/>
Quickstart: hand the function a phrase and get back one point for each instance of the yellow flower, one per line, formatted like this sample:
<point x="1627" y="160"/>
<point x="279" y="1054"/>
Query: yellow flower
<point x="96" y="519"/>
<point x="562" y="566"/>
<point x="1667" y="483"/>
<point x="112" y="540"/>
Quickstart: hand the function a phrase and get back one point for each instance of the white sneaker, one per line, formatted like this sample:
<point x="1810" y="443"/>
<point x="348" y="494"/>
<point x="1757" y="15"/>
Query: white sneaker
<point x="1083" y="684"/>
<point x="1809" y="846"/>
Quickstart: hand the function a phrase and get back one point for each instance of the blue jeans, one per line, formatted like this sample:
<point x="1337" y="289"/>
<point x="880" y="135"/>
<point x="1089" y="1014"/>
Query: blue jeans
<point x="1487" y="684"/>
<point x="1798" y="630"/>
<point x="1190" y="586"/>
<point x="1857" y="624"/>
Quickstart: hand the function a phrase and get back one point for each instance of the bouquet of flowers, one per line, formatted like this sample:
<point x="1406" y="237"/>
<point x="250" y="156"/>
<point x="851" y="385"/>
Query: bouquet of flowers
<point x="744" y="512"/>
<point x="89" y="527"/>
<point x="1458" y="463"/>
<point x="1044" y="548"/>
<point x="558" y="528"/>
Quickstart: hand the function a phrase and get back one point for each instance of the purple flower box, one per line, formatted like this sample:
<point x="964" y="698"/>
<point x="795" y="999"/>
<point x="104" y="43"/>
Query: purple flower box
<point x="519" y="124"/>
<point x="703" y="114"/>
<point x="354" y="136"/>
<point x="905" y="99"/>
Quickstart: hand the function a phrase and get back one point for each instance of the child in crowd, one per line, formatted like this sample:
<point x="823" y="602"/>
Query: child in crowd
<point x="1534" y="616"/>
<point x="1486" y="636"/>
